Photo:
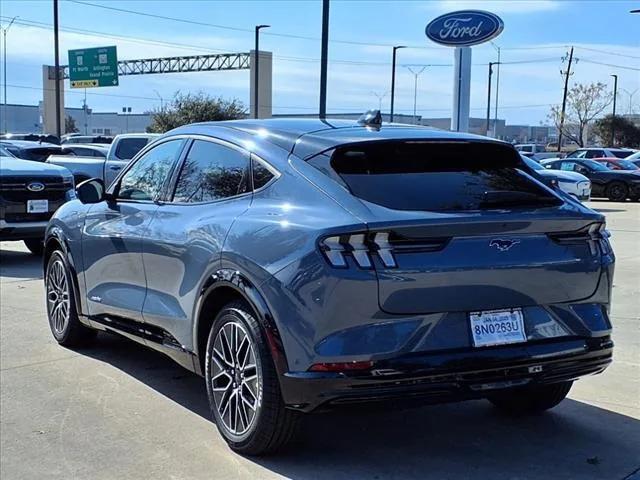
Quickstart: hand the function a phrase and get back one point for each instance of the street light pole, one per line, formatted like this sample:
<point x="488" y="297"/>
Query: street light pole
<point x="380" y="97"/>
<point x="4" y="69"/>
<point x="324" y="60"/>
<point x="495" y="116"/>
<point x="256" y="107"/>
<point x="56" y="48"/>
<point x="416" y="73"/>
<point x="393" y="79"/>
<point x="491" y="64"/>
<point x="613" y="120"/>
<point x="161" y="100"/>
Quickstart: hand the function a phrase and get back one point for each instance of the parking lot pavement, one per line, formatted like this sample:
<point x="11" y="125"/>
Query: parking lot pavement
<point x="118" y="410"/>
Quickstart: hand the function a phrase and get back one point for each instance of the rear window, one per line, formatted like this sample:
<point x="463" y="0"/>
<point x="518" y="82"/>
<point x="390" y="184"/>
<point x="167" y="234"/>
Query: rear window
<point x="435" y="176"/>
<point x="128" y="147"/>
<point x="40" y="154"/>
<point x="621" y="153"/>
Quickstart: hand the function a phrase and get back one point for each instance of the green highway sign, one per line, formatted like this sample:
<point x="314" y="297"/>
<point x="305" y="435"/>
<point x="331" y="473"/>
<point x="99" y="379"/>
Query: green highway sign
<point x="93" y="67"/>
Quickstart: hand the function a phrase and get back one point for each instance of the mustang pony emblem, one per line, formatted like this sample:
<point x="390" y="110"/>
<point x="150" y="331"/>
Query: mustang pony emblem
<point x="503" y="245"/>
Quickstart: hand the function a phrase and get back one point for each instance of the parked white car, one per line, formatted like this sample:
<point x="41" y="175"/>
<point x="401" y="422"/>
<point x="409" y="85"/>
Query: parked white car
<point x="573" y="183"/>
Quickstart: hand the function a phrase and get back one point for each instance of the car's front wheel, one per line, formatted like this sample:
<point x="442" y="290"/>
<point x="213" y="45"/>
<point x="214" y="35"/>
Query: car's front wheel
<point x="242" y="384"/>
<point x="534" y="399"/>
<point x="61" y="308"/>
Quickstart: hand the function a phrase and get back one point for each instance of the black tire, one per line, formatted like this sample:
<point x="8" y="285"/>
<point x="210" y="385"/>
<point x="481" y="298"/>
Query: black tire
<point x="272" y="425"/>
<point x="528" y="400"/>
<point x="67" y="331"/>
<point x="617" y="192"/>
<point x="35" y="245"/>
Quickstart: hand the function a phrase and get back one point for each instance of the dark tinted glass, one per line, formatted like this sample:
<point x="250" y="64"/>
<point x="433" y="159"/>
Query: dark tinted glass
<point x="145" y="179"/>
<point x="40" y="154"/>
<point x="261" y="174"/>
<point x="621" y="153"/>
<point x="128" y="147"/>
<point x="436" y="176"/>
<point x="212" y="172"/>
<point x="594" y="154"/>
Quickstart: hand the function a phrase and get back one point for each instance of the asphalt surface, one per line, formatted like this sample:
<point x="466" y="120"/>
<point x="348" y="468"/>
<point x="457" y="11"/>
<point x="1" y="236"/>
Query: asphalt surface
<point x="118" y="410"/>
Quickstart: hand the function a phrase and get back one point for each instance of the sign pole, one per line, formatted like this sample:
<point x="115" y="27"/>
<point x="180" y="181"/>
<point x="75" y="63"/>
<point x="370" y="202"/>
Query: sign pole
<point x="461" y="89"/>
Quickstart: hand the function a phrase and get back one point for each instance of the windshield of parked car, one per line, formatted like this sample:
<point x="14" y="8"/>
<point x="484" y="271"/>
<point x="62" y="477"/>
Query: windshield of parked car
<point x="593" y="165"/>
<point x="626" y="165"/>
<point x="532" y="163"/>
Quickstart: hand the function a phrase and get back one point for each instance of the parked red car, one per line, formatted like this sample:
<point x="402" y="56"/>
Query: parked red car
<point x="617" y="163"/>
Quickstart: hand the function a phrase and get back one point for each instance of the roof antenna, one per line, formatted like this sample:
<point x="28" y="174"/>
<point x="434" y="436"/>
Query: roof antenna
<point x="371" y="118"/>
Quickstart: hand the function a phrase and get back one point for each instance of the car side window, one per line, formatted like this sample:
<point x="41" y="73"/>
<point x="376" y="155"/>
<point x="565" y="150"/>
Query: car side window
<point x="594" y="154"/>
<point x="146" y="177"/>
<point x="261" y="174"/>
<point x="567" y="166"/>
<point x="212" y="172"/>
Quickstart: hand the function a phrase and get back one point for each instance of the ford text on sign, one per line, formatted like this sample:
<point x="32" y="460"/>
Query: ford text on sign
<point x="464" y="28"/>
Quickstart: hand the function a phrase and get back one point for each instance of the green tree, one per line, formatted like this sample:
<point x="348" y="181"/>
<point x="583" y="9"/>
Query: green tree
<point x="70" y="125"/>
<point x="626" y="132"/>
<point x="192" y="108"/>
<point x="584" y="104"/>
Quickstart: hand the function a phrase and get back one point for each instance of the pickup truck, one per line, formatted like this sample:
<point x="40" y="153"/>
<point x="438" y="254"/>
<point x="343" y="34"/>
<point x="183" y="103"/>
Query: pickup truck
<point x="121" y="151"/>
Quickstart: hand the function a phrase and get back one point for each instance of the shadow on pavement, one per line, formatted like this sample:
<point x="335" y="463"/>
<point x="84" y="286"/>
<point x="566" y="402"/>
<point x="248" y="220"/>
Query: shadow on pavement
<point x="19" y="264"/>
<point x="465" y="440"/>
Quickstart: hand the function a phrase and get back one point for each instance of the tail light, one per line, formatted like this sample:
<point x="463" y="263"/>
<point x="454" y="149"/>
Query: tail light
<point x="595" y="234"/>
<point x="362" y="247"/>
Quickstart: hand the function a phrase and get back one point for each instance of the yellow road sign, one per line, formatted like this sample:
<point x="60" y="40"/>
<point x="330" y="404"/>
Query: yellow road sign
<point x="84" y="83"/>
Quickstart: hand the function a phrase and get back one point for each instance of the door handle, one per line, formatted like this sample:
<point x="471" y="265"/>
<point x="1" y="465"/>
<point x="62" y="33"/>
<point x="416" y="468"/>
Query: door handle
<point x="114" y="167"/>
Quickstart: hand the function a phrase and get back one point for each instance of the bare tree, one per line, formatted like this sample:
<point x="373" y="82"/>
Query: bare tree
<point x="584" y="104"/>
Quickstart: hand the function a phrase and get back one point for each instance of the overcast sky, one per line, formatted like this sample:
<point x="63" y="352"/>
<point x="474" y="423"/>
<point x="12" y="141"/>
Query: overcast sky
<point x="537" y="33"/>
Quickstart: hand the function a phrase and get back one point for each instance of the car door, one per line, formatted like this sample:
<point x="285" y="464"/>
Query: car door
<point x="183" y="243"/>
<point x="112" y="237"/>
<point x="125" y="150"/>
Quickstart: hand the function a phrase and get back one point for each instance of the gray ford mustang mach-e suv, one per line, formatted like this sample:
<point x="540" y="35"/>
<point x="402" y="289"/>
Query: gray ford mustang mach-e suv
<point x="300" y="264"/>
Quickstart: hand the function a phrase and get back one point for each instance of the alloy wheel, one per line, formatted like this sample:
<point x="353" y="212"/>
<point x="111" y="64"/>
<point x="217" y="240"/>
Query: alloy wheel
<point x="58" y="299"/>
<point x="235" y="378"/>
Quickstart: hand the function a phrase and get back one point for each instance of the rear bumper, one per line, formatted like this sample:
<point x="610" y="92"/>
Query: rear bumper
<point x="452" y="376"/>
<point x="22" y="230"/>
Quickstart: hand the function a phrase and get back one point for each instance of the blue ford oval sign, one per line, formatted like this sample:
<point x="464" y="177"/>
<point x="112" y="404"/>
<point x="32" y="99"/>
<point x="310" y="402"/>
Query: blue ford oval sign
<point x="464" y="28"/>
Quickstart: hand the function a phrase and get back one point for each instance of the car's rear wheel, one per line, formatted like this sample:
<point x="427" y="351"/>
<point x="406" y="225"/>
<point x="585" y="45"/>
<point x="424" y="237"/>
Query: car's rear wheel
<point x="61" y="309"/>
<point x="617" y="192"/>
<point x="35" y="245"/>
<point x="531" y="399"/>
<point x="242" y="384"/>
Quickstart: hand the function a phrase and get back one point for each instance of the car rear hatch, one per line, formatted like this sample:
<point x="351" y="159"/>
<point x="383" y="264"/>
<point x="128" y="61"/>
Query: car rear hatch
<point x="461" y="226"/>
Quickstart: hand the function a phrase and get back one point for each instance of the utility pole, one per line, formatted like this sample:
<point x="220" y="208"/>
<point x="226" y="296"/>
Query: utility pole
<point x="324" y="59"/>
<point x="255" y="71"/>
<point x="613" y="120"/>
<point x="161" y="100"/>
<point x="4" y="69"/>
<point x="57" y="66"/>
<point x="495" y="116"/>
<point x="416" y="73"/>
<point x="630" y="94"/>
<point x="566" y="73"/>
<point x="393" y="79"/>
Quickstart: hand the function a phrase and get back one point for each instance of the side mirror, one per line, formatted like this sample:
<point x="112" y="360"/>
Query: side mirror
<point x="91" y="191"/>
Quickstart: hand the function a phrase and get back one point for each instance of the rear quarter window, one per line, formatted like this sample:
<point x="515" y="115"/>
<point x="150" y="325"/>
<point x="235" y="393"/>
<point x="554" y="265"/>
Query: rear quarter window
<point x="127" y="148"/>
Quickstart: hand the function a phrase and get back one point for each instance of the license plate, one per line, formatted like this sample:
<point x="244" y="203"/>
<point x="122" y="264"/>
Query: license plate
<point x="37" y="206"/>
<point x="497" y="327"/>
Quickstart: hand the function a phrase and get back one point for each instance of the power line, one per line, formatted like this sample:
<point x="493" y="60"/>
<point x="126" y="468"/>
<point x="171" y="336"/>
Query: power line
<point x="606" y="52"/>
<point x="635" y="69"/>
<point x="239" y="29"/>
